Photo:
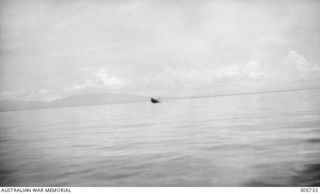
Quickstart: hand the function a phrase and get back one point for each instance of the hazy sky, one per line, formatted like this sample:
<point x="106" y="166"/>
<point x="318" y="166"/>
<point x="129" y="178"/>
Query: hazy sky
<point x="51" y="49"/>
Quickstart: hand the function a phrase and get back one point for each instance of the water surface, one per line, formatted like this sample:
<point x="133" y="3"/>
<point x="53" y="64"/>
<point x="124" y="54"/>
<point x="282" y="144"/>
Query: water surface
<point x="251" y="140"/>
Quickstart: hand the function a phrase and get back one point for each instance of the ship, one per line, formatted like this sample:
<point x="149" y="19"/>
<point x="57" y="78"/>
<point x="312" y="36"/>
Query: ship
<point x="153" y="100"/>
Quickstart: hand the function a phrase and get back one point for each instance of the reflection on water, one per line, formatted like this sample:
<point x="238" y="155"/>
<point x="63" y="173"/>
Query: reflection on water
<point x="252" y="140"/>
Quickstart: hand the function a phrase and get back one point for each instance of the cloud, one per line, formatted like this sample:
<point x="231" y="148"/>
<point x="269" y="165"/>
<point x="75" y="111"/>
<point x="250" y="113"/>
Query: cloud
<point x="253" y="70"/>
<point x="156" y="45"/>
<point x="299" y="68"/>
<point x="99" y="78"/>
<point x="13" y="94"/>
<point x="177" y="80"/>
<point x="293" y="71"/>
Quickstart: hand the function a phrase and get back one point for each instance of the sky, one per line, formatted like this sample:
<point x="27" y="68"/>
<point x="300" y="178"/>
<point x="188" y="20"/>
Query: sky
<point x="51" y="49"/>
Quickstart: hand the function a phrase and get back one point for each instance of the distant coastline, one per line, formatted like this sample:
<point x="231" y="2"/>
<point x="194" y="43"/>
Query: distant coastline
<point x="71" y="101"/>
<point x="105" y="98"/>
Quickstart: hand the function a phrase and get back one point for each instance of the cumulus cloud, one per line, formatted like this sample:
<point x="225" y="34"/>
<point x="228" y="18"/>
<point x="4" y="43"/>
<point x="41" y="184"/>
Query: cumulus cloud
<point x="87" y="80"/>
<point x="299" y="68"/>
<point x="175" y="80"/>
<point x="98" y="78"/>
<point x="156" y="46"/>
<point x="204" y="76"/>
<point x="13" y="94"/>
<point x="294" y="71"/>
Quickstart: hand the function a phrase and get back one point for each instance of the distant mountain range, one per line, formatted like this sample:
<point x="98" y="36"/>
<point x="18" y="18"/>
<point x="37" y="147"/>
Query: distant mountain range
<point x="77" y="100"/>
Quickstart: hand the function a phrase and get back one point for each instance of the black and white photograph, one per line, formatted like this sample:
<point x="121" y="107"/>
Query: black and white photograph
<point x="160" y="93"/>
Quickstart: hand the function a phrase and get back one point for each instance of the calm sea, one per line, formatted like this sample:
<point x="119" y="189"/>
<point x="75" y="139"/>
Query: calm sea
<point x="249" y="140"/>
